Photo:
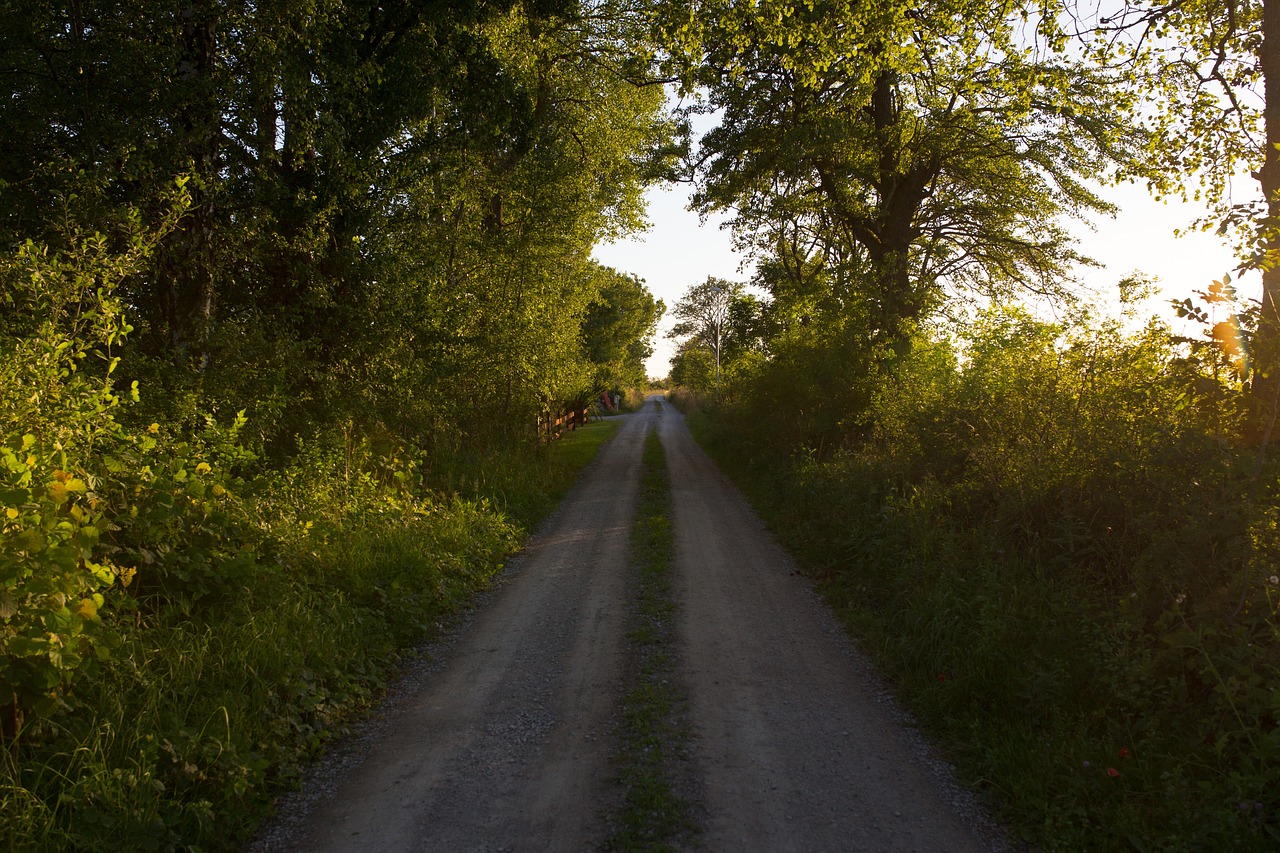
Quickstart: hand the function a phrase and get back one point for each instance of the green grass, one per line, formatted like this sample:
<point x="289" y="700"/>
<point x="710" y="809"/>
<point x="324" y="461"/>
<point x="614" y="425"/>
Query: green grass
<point x="653" y="815"/>
<point x="205" y="712"/>
<point x="1082" y="731"/>
<point x="524" y="483"/>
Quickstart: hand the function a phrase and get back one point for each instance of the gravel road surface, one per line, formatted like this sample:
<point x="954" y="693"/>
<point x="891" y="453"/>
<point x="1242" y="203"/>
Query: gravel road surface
<point x="504" y="741"/>
<point x="797" y="747"/>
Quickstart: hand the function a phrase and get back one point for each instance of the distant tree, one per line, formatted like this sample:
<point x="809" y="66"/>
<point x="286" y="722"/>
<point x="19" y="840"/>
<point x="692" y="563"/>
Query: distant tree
<point x="693" y="367"/>
<point x="703" y="313"/>
<point x="618" y="328"/>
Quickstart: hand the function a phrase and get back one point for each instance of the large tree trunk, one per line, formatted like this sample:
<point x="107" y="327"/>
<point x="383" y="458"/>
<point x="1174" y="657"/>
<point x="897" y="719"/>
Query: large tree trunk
<point x="187" y="300"/>
<point x="888" y="236"/>
<point x="1266" y="350"/>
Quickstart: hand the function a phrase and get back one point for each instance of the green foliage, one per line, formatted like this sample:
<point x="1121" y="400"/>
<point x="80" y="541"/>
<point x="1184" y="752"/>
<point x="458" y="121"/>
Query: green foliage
<point x="181" y="740"/>
<point x="372" y="272"/>
<point x="209" y="706"/>
<point x="618" y="329"/>
<point x="720" y="324"/>
<point x="1196" y="67"/>
<point x="1208" y="94"/>
<point x="61" y="455"/>
<point x="1059" y="521"/>
<point x="392" y="209"/>
<point x="893" y="156"/>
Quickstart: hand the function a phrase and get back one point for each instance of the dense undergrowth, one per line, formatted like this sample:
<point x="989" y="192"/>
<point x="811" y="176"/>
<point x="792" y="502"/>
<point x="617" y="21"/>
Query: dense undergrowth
<point x="184" y="622"/>
<point x="212" y="685"/>
<point x="1058" y="546"/>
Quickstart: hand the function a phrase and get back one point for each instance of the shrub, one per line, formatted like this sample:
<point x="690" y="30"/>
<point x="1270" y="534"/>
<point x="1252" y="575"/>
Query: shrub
<point x="1061" y="521"/>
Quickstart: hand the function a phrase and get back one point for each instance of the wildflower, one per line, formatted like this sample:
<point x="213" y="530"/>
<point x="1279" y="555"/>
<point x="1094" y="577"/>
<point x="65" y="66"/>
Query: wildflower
<point x="1112" y="772"/>
<point x="941" y="677"/>
<point x="1124" y="752"/>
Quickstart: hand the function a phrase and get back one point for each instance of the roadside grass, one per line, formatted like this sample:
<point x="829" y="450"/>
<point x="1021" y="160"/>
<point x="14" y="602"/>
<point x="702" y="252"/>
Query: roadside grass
<point x="1084" y="733"/>
<point x="524" y="483"/>
<point x="653" y="816"/>
<point x="208" y="709"/>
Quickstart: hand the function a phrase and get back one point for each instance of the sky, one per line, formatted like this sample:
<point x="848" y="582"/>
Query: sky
<point x="678" y="251"/>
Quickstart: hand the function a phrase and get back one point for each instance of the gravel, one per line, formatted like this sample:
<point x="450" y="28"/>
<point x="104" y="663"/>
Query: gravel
<point x="502" y="734"/>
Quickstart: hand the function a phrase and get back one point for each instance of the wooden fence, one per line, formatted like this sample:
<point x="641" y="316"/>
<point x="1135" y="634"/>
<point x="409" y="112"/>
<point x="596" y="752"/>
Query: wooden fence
<point x="551" y="427"/>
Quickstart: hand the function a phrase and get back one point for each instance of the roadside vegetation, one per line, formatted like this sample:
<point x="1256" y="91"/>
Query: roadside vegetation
<point x="283" y="295"/>
<point x="209" y="687"/>
<point x="1059" y="538"/>
<point x="654" y="815"/>
<point x="284" y="290"/>
<point x="1056" y="545"/>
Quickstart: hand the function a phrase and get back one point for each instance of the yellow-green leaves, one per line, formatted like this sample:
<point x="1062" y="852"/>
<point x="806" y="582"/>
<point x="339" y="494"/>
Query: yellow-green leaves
<point x="916" y="150"/>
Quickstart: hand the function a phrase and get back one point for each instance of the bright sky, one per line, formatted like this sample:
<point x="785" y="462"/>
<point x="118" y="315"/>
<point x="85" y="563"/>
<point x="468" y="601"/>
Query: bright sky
<point x="676" y="252"/>
<point x="679" y="251"/>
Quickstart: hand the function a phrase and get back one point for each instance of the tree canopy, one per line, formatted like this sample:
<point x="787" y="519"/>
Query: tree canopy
<point x="391" y="206"/>
<point x="1208" y="75"/>
<point x="897" y="154"/>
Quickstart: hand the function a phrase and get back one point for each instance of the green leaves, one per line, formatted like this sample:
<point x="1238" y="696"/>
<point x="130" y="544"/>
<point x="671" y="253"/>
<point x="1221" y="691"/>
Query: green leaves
<point x="73" y="476"/>
<point x="913" y="152"/>
<point x="618" y="329"/>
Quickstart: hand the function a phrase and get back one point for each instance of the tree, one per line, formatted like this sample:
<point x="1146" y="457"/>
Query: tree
<point x="618" y="328"/>
<point x="692" y="367"/>
<point x="907" y="151"/>
<point x="703" y="313"/>
<point x="1209" y="77"/>
<point x="393" y="204"/>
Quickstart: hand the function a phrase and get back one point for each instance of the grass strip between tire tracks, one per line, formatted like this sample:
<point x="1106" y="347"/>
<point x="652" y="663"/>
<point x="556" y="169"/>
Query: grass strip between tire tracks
<point x="653" y="815"/>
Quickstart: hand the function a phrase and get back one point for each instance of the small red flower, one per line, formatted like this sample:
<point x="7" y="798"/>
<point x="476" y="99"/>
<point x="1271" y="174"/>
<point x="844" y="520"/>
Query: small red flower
<point x="942" y="678"/>
<point x="1124" y="752"/>
<point x="1112" y="772"/>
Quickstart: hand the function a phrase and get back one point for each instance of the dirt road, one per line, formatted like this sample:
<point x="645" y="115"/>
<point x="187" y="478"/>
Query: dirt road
<point x="506" y="744"/>
<point x="797" y="749"/>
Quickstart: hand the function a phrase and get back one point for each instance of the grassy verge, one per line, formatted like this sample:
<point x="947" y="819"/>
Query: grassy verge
<point x="207" y="709"/>
<point x="654" y="816"/>
<point x="1085" y="732"/>
<point x="523" y="483"/>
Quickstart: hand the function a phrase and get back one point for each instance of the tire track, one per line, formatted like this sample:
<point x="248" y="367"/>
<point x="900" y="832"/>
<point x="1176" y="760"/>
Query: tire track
<point x="508" y="745"/>
<point x="797" y="749"/>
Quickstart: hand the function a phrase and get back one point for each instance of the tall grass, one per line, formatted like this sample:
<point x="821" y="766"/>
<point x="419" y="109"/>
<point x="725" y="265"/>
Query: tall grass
<point x="1065" y="562"/>
<point x="207" y="709"/>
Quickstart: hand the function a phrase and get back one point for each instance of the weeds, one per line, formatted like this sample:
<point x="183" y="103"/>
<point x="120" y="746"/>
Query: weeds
<point x="654" y="816"/>
<point x="205" y="711"/>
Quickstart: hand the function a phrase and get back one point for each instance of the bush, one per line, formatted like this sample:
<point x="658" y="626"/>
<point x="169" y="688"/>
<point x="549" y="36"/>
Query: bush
<point x="62" y="452"/>
<point x="181" y="625"/>
<point x="1060" y="521"/>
